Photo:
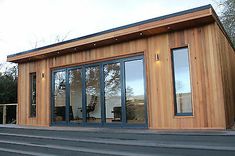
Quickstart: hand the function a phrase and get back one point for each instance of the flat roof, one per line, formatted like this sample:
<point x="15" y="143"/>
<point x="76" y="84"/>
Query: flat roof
<point x="196" y="16"/>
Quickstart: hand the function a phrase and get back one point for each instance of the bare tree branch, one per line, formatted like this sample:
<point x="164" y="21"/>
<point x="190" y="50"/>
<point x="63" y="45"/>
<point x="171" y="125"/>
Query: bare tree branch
<point x="61" y="38"/>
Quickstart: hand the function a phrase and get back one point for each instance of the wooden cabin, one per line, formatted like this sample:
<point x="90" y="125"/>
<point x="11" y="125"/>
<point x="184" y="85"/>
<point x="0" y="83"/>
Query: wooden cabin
<point x="171" y="72"/>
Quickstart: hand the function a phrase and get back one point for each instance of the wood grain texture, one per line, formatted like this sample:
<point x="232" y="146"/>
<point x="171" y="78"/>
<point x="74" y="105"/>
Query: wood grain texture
<point x="227" y="67"/>
<point x="213" y="98"/>
<point x="206" y="91"/>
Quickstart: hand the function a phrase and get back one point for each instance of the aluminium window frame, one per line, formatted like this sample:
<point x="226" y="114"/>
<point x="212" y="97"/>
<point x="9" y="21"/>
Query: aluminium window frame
<point x="189" y="114"/>
<point x="31" y="75"/>
<point x="101" y="64"/>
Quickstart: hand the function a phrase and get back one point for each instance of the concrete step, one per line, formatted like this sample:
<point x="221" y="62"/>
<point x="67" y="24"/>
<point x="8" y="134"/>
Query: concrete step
<point x="143" y="147"/>
<point x="12" y="152"/>
<point x="48" y="149"/>
<point x="54" y="142"/>
<point x="137" y="147"/>
<point x="107" y="131"/>
<point x="127" y="135"/>
<point x="115" y="142"/>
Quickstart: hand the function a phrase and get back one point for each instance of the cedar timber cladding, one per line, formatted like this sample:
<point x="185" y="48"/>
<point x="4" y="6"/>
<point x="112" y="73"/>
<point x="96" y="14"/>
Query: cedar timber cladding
<point x="212" y="68"/>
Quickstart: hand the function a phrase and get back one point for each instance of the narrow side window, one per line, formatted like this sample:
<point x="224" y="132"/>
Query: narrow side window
<point x="33" y="94"/>
<point x="182" y="82"/>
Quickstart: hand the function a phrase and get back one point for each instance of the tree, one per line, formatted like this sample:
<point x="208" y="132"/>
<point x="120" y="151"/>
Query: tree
<point x="228" y="18"/>
<point x="41" y="42"/>
<point x="8" y="85"/>
<point x="112" y="75"/>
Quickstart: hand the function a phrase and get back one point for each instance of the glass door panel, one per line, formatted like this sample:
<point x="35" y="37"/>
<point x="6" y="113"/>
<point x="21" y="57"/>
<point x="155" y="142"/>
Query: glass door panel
<point x="75" y="83"/>
<point x="77" y="93"/>
<point x="93" y="107"/>
<point x="59" y="96"/>
<point x="134" y="92"/>
<point x="112" y="89"/>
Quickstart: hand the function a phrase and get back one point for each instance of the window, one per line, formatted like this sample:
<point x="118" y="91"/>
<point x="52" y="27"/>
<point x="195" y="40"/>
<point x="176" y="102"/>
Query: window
<point x="112" y="89"/>
<point x="75" y="83"/>
<point x="134" y="80"/>
<point x="93" y="109"/>
<point x="33" y="95"/>
<point x="182" y="83"/>
<point x="104" y="93"/>
<point x="59" y="96"/>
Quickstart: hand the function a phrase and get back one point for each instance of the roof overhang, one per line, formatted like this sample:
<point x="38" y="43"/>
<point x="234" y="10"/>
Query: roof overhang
<point x="181" y="20"/>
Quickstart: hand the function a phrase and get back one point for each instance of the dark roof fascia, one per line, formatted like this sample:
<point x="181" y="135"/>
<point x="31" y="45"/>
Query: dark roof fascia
<point x="116" y="29"/>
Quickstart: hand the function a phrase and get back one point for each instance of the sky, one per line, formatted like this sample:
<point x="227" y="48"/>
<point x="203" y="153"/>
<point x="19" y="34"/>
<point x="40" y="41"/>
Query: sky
<point x="26" y="24"/>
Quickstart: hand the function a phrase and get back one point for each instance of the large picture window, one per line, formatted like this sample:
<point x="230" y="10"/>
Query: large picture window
<point x="182" y="82"/>
<point x="32" y="95"/>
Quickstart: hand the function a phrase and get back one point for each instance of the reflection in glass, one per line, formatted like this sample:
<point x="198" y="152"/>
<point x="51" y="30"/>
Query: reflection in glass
<point x="93" y="108"/>
<point x="75" y="82"/>
<point x="182" y="81"/>
<point x="59" y="96"/>
<point x="112" y="92"/>
<point x="1" y="114"/>
<point x="134" y="91"/>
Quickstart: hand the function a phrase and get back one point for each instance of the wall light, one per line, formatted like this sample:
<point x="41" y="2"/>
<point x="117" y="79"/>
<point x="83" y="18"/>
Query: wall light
<point x="157" y="57"/>
<point x="42" y="75"/>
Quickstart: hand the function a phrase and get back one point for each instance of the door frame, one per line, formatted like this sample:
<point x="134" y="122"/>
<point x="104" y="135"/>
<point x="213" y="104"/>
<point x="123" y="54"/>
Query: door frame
<point x="62" y="123"/>
<point x="84" y="122"/>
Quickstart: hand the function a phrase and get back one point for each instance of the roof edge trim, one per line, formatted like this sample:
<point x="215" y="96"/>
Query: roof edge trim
<point x="209" y="6"/>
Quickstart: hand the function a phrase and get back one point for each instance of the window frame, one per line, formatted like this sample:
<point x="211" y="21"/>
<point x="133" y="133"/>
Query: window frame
<point x="101" y="64"/>
<point x="53" y="95"/>
<point x="187" y="114"/>
<point x="31" y="114"/>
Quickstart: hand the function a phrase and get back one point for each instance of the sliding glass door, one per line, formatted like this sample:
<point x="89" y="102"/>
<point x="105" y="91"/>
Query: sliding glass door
<point x="93" y="107"/>
<point x="108" y="93"/>
<point x="59" y="96"/>
<point x="112" y="93"/>
<point x="134" y="92"/>
<point x="75" y="95"/>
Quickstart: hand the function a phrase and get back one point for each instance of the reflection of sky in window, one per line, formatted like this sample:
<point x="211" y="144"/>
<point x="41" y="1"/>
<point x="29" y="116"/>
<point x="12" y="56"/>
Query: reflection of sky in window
<point x="137" y="87"/>
<point x="181" y="70"/>
<point x="134" y="76"/>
